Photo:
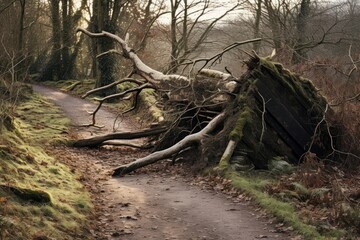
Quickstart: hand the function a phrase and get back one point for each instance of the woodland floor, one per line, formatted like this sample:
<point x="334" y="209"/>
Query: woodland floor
<point x="157" y="202"/>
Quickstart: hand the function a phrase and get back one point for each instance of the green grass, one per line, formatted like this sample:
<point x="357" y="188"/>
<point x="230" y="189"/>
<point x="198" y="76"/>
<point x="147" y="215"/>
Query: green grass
<point x="254" y="185"/>
<point x="24" y="164"/>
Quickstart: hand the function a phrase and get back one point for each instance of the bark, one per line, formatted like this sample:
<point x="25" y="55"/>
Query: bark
<point x="188" y="141"/>
<point x="174" y="42"/>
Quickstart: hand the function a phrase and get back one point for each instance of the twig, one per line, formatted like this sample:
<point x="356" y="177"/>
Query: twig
<point x="122" y="144"/>
<point x="138" y="82"/>
<point x="217" y="56"/>
<point x="108" y="52"/>
<point x="262" y="116"/>
<point x="352" y="61"/>
<point x="117" y="95"/>
<point x="323" y="119"/>
<point x="346" y="100"/>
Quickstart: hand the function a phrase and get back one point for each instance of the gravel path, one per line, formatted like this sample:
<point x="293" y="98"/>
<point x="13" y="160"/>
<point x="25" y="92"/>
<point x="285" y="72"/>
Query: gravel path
<point x="153" y="203"/>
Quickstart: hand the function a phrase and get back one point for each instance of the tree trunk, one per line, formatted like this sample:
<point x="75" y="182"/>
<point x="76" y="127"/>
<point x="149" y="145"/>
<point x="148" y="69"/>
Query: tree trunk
<point x="256" y="45"/>
<point x="66" y="39"/>
<point x="300" y="54"/>
<point x="99" y="140"/>
<point x="105" y="19"/>
<point x="52" y="70"/>
<point x="174" y="43"/>
<point x="21" y="25"/>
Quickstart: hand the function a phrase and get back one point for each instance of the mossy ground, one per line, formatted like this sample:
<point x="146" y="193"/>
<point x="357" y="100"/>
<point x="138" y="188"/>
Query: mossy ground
<point x="24" y="164"/>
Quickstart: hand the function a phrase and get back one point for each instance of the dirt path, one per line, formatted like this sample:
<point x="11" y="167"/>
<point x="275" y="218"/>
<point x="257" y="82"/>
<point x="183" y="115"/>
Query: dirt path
<point x="153" y="203"/>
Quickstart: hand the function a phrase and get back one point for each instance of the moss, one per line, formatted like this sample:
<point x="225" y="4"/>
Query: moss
<point x="27" y="194"/>
<point x="48" y="212"/>
<point x="238" y="132"/>
<point x="41" y="121"/>
<point x="148" y="96"/>
<point x="34" y="176"/>
<point x="71" y="87"/>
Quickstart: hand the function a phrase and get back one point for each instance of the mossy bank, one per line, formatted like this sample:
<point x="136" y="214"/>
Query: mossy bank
<point x="39" y="196"/>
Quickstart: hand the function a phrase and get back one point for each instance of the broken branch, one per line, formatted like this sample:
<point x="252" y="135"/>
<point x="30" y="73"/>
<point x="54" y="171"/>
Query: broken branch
<point x="169" y="152"/>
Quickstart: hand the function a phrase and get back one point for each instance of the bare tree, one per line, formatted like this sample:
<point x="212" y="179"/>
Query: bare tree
<point x="301" y="27"/>
<point x="190" y="26"/>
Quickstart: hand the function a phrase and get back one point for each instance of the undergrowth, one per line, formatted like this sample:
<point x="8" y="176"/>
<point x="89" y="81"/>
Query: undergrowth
<point x="40" y="198"/>
<point x="254" y="186"/>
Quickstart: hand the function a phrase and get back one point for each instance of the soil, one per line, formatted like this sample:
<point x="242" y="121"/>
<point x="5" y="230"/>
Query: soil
<point x="158" y="202"/>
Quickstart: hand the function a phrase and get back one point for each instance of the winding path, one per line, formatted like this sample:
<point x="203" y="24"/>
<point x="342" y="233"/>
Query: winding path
<point x="154" y="205"/>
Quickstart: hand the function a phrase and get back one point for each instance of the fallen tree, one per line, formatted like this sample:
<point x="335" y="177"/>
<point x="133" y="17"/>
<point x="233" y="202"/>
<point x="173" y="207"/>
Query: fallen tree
<point x="266" y="113"/>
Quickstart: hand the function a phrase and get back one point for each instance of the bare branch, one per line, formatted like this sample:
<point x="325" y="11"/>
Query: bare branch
<point x="323" y="120"/>
<point x="142" y="69"/>
<point x="352" y="61"/>
<point x="356" y="97"/>
<point x="117" y="95"/>
<point x="217" y="56"/>
<point x="262" y="116"/>
<point x="7" y="6"/>
<point x="111" y="85"/>
<point x="169" y="152"/>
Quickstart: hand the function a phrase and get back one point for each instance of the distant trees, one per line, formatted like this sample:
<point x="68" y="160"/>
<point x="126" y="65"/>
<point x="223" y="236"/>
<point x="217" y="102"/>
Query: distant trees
<point x="293" y="28"/>
<point x="44" y="38"/>
<point x="65" y="46"/>
<point x="19" y="18"/>
<point x="119" y="17"/>
<point x="191" y="23"/>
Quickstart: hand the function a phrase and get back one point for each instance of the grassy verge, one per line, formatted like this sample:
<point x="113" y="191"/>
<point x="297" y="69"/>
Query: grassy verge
<point x="255" y="184"/>
<point x="39" y="196"/>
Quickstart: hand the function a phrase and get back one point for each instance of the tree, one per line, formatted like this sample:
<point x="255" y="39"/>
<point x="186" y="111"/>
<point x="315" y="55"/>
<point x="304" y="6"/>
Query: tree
<point x="70" y="20"/>
<point x="105" y="18"/>
<point x="64" y="20"/>
<point x="258" y="10"/>
<point x="119" y="17"/>
<point x="301" y="24"/>
<point x="214" y="108"/>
